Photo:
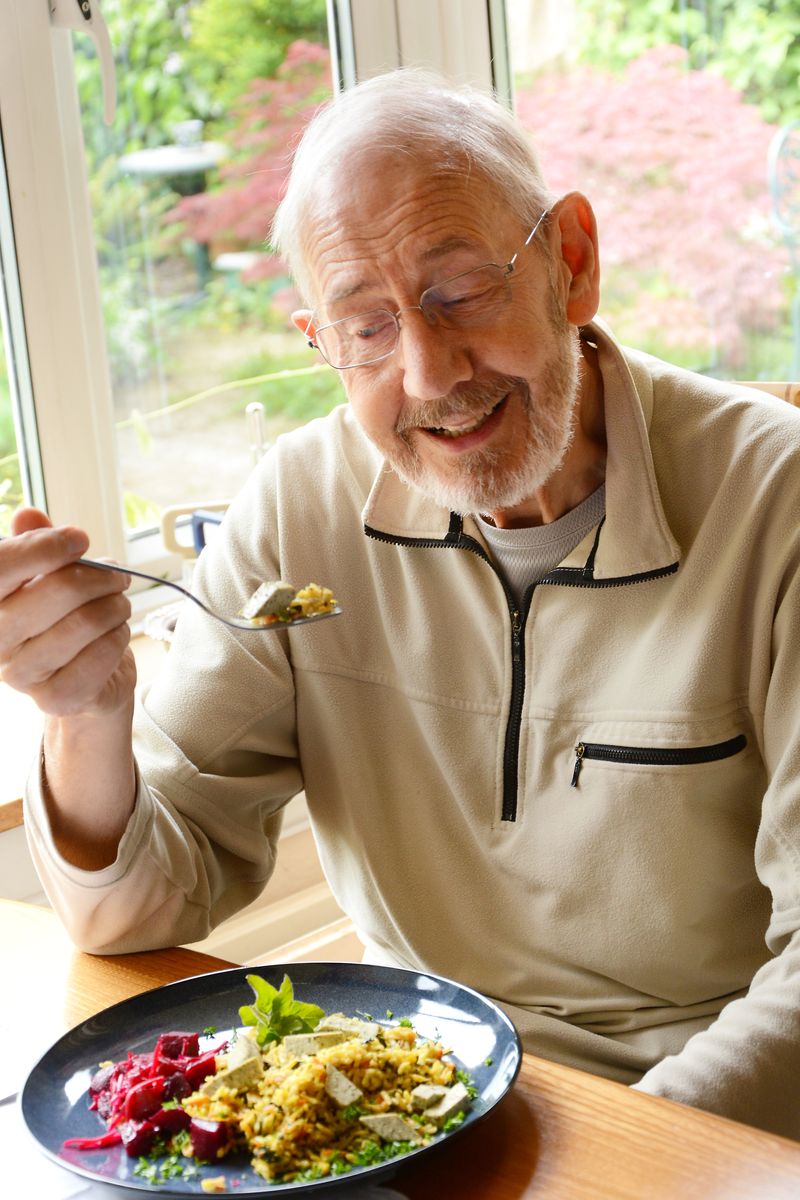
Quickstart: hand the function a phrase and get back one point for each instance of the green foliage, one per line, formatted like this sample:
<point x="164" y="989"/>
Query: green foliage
<point x="10" y="498"/>
<point x="234" y="42"/>
<point x="127" y="217"/>
<point x="294" y="399"/>
<point x="140" y="513"/>
<point x="8" y="441"/>
<point x="157" y="87"/>
<point x="276" y="1013"/>
<point x="10" y="482"/>
<point x="753" y="44"/>
<point x="230" y="304"/>
<point x="130" y="321"/>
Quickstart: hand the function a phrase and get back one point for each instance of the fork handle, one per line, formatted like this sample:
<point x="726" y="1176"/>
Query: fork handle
<point x="123" y="570"/>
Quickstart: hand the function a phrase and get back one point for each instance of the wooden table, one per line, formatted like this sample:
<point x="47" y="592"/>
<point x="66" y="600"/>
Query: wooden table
<point x="560" y="1134"/>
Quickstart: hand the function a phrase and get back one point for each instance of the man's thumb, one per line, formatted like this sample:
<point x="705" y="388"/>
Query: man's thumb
<point x="25" y="519"/>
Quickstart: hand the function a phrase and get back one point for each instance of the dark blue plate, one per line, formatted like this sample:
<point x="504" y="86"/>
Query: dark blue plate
<point x="55" y="1102"/>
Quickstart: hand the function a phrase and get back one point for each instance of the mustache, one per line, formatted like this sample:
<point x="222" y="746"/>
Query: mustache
<point x="475" y="398"/>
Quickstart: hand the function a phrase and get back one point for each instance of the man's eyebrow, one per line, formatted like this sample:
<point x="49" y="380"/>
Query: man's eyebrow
<point x="344" y="293"/>
<point x="448" y="246"/>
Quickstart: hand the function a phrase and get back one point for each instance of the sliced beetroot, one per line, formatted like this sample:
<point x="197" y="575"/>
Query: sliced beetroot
<point x="208" y="1138"/>
<point x="177" y="1045"/>
<point x="144" y="1099"/>
<point x="200" y="1068"/>
<point x="101" y="1079"/>
<point x="129" y="1096"/>
<point x="137" y="1136"/>
<point x="177" y="1086"/>
<point x="170" y="1120"/>
<point x="101" y="1142"/>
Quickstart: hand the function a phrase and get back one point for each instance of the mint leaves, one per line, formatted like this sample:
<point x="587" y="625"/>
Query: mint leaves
<point x="276" y="1013"/>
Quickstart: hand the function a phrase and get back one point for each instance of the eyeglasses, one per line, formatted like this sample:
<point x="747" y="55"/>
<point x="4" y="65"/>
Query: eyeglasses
<point x="466" y="301"/>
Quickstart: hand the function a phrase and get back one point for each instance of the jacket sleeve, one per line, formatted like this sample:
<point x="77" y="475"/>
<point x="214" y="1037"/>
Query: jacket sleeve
<point x="746" y="1065"/>
<point x="216" y="750"/>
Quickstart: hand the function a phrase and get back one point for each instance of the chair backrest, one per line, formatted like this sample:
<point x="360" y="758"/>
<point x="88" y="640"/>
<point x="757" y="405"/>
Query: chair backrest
<point x="784" y="391"/>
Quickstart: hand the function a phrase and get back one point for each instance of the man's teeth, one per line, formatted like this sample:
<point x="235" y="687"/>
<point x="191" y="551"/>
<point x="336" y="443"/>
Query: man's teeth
<point x="456" y="431"/>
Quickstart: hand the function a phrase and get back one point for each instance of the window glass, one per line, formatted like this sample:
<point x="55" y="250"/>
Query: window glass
<point x="212" y="95"/>
<point x="10" y="488"/>
<point x="12" y="467"/>
<point x="678" y="121"/>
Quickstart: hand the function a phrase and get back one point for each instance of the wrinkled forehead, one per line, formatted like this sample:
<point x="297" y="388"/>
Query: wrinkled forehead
<point x="382" y="208"/>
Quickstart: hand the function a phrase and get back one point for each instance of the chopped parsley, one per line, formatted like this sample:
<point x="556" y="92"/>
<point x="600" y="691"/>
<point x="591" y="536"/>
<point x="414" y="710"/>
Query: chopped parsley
<point x="339" y="1164"/>
<point x="162" y="1170"/>
<point x="406" y="1021"/>
<point x="453" y="1122"/>
<point x="373" y="1152"/>
<point x="465" y="1078"/>
<point x="309" y="1175"/>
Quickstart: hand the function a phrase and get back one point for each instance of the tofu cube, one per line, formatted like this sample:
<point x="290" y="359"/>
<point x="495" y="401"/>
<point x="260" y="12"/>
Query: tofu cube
<point x="268" y="599"/>
<point x="244" y="1075"/>
<point x="392" y="1128"/>
<point x="455" y="1100"/>
<point x="426" y="1094"/>
<point x="352" y="1026"/>
<point x="310" y="1043"/>
<point x="242" y="1049"/>
<point x="341" y="1089"/>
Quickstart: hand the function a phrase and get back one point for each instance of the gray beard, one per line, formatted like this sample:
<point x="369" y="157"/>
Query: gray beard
<point x="484" y="481"/>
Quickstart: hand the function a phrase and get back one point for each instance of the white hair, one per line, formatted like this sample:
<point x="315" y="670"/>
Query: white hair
<point x="416" y="113"/>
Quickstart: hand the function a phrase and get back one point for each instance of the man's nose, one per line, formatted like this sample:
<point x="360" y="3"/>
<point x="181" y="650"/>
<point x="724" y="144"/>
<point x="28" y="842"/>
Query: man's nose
<point x="433" y="360"/>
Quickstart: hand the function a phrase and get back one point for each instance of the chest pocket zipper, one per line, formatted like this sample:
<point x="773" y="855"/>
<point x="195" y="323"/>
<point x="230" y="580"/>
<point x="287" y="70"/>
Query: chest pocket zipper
<point x="654" y="756"/>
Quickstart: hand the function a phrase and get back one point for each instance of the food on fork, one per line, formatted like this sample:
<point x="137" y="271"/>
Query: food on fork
<point x="277" y="600"/>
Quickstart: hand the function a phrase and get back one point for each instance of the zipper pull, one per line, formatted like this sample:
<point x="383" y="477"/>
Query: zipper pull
<point x="580" y="750"/>
<point x="515" y="638"/>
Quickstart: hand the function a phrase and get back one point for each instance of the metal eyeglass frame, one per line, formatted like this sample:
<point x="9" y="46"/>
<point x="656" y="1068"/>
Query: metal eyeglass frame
<point x="507" y="270"/>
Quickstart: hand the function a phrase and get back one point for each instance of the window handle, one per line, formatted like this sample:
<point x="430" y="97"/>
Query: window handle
<point x="85" y="17"/>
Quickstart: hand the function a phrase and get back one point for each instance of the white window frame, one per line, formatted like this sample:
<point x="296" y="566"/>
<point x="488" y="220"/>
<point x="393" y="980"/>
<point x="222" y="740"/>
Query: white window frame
<point x="52" y="229"/>
<point x="57" y="273"/>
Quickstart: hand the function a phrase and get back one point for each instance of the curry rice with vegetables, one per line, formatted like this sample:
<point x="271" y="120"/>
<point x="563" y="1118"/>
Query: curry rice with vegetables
<point x="320" y="1103"/>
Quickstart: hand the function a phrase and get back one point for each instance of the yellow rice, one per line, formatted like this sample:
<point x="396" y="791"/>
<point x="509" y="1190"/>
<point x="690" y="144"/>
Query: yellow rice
<point x="290" y="1124"/>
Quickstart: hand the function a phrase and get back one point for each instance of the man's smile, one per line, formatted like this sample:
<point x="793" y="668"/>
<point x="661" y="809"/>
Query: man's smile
<point x="467" y="432"/>
<point x="467" y="424"/>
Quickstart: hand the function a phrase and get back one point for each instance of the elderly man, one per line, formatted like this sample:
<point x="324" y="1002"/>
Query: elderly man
<point x="551" y="748"/>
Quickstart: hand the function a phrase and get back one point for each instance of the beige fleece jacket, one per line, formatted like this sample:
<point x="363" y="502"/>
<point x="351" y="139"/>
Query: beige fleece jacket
<point x="641" y="924"/>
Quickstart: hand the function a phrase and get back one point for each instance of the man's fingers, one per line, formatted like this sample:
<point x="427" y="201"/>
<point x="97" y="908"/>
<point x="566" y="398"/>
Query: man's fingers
<point x="38" y="551"/>
<point x="33" y="663"/>
<point x="84" y="684"/>
<point x="47" y="601"/>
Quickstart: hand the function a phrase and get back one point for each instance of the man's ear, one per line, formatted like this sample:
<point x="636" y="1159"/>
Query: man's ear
<point x="576" y="227"/>
<point x="302" y="320"/>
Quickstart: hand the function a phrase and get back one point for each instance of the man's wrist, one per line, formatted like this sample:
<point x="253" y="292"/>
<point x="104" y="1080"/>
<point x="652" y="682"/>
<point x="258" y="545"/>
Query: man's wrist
<point x="88" y="782"/>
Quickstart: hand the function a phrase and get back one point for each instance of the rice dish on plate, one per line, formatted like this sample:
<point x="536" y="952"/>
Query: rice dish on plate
<point x="356" y="1095"/>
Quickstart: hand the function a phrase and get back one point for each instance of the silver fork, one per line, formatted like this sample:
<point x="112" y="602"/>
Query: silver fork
<point x="235" y="622"/>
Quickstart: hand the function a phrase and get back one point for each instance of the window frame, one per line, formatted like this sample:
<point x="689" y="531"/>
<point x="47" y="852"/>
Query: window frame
<point x="70" y="418"/>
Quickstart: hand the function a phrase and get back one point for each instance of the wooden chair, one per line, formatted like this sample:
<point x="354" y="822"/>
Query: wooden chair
<point x="784" y="391"/>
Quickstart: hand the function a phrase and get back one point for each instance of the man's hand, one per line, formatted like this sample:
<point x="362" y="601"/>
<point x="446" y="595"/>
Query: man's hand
<point x="64" y="642"/>
<point x="63" y="627"/>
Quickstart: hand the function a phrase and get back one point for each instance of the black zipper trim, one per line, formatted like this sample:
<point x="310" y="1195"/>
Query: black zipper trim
<point x="455" y="538"/>
<point x="656" y="756"/>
